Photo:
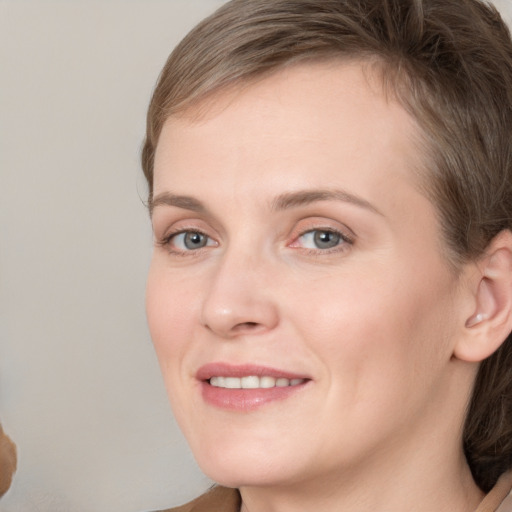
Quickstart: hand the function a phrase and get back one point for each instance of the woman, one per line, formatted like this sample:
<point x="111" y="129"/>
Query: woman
<point x="330" y="292"/>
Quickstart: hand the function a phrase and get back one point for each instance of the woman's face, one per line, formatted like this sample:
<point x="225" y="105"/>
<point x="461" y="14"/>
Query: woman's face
<point x="293" y="248"/>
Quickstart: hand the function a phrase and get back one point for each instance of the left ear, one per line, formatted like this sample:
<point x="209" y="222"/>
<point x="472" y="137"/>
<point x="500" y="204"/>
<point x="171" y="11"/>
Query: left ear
<point x="490" y="321"/>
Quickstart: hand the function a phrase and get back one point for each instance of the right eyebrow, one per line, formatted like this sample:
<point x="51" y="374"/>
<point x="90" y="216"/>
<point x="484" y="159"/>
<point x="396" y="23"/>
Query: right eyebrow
<point x="169" y="199"/>
<point x="304" y="197"/>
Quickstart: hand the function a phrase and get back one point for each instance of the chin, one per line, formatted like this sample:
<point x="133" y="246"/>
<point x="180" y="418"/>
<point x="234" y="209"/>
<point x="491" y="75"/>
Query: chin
<point x="246" y="465"/>
<point x="245" y="474"/>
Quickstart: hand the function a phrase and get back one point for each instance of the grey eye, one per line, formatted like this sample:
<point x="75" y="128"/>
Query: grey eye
<point x="321" y="239"/>
<point x="326" y="239"/>
<point x="193" y="240"/>
<point x="190" y="241"/>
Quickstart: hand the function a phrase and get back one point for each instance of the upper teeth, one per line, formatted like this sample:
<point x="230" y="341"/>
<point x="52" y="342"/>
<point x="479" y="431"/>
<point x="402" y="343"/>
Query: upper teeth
<point x="253" y="382"/>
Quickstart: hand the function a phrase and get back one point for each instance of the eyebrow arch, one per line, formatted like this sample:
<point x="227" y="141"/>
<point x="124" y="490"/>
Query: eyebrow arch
<point x="169" y="199"/>
<point x="305" y="197"/>
<point x="284" y="201"/>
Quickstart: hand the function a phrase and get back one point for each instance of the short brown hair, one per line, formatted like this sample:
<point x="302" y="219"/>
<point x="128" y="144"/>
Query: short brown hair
<point x="449" y="63"/>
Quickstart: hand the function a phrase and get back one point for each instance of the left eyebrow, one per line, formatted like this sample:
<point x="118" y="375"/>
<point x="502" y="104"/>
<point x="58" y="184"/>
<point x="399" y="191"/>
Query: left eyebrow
<point x="304" y="197"/>
<point x="169" y="199"/>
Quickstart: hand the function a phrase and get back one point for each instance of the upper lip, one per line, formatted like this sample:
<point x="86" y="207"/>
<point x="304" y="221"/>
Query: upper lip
<point x="210" y="370"/>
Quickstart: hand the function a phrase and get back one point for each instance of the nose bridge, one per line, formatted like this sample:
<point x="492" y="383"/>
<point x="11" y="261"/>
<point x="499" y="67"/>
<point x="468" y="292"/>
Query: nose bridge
<point x="238" y="299"/>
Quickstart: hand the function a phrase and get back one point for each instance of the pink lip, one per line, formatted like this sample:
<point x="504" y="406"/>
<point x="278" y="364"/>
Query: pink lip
<point x="245" y="400"/>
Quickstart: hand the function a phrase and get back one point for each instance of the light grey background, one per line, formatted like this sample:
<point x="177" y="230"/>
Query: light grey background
<point x="80" y="389"/>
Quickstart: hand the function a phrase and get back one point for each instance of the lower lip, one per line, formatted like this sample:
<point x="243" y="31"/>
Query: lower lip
<point x="246" y="399"/>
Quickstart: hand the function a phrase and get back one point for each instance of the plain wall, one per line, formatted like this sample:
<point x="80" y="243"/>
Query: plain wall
<point x="80" y="388"/>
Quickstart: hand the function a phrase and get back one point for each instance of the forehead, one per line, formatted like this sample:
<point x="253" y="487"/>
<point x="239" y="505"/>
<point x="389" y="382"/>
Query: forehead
<point x="328" y="111"/>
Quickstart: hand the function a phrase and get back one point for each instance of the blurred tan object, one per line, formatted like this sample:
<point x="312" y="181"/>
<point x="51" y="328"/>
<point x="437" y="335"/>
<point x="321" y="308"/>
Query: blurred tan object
<point x="7" y="461"/>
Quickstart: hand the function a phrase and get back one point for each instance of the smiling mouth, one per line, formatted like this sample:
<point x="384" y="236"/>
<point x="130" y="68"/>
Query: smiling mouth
<point x="247" y="387"/>
<point x="253" y="382"/>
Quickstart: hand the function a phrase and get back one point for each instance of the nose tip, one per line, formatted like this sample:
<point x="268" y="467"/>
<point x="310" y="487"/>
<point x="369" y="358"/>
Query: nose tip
<point x="238" y="304"/>
<point x="239" y="319"/>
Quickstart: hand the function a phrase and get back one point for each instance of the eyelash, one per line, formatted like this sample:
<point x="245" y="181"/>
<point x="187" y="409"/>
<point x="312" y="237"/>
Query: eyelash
<point x="344" y="240"/>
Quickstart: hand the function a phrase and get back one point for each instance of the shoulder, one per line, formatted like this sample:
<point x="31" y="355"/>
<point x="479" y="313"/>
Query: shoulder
<point x="500" y="497"/>
<point x="506" y="504"/>
<point x="217" y="498"/>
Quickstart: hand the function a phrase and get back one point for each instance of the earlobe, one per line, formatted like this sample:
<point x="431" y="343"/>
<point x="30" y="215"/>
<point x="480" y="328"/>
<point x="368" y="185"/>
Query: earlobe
<point x="491" y="319"/>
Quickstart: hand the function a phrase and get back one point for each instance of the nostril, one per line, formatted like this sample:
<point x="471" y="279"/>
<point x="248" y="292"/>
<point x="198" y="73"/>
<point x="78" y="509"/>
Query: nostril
<point x="249" y="326"/>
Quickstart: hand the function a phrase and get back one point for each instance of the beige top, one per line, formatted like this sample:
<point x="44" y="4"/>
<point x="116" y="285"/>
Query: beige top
<point x="221" y="499"/>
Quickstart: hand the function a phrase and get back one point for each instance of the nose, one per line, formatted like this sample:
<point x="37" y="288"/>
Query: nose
<point x="239" y="299"/>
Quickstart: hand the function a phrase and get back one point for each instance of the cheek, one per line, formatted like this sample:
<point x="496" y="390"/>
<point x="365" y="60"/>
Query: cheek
<point x="380" y="330"/>
<point x="170" y="306"/>
<point x="382" y="353"/>
<point x="169" y="310"/>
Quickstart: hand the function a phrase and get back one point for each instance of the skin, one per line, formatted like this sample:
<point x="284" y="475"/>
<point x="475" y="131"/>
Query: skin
<point x="373" y="321"/>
